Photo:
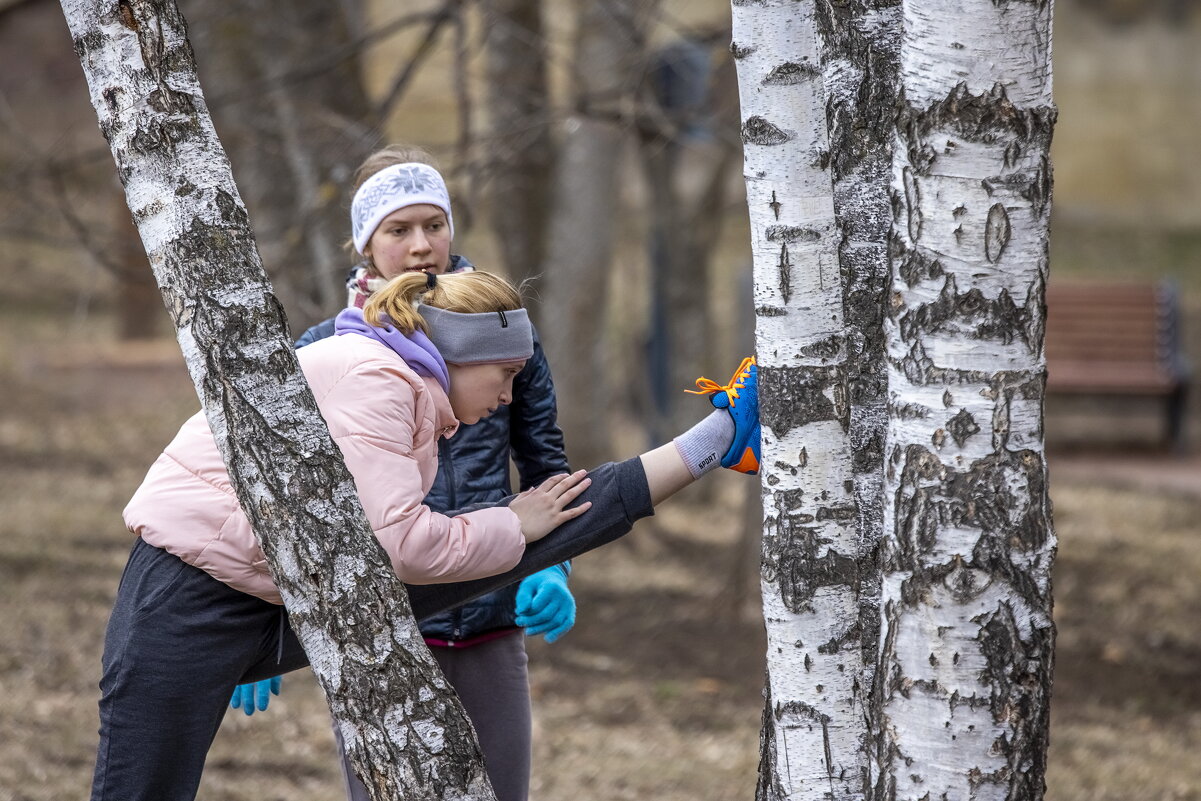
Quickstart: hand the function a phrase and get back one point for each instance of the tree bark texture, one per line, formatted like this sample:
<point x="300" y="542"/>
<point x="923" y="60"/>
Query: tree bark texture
<point x="406" y="730"/>
<point x="962" y="702"/>
<point x="860" y="54"/>
<point x="609" y="61"/>
<point x="520" y="149"/>
<point x="813" y="726"/>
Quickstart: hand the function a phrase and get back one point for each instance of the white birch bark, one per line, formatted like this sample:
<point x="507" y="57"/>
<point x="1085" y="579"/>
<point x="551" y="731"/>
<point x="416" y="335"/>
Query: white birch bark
<point x="967" y="635"/>
<point x="860" y="46"/>
<point x="813" y="724"/>
<point x="404" y="726"/>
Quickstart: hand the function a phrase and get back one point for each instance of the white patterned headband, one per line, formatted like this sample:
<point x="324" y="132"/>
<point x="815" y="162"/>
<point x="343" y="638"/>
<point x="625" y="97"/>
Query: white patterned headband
<point x="393" y="188"/>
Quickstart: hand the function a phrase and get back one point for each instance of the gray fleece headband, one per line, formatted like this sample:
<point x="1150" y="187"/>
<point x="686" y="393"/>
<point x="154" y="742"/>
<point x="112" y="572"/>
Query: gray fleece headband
<point x="478" y="338"/>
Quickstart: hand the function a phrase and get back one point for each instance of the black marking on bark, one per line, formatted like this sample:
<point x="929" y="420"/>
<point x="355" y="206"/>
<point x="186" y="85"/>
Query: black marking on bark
<point x="826" y="348"/>
<point x="842" y="513"/>
<point x="785" y="274"/>
<point x="171" y="102"/>
<point x="88" y="43"/>
<point x="1018" y="674"/>
<point x="971" y="313"/>
<point x="849" y="637"/>
<point x="110" y="96"/>
<point x="786" y="502"/>
<point x="791" y="561"/>
<point x="770" y="311"/>
<point x="913" y="202"/>
<point x="962" y="426"/>
<point x="769" y="787"/>
<point x="758" y="131"/>
<point x="791" y="234"/>
<point x="1013" y="154"/>
<point x="1002" y="495"/>
<point x="801" y="710"/>
<point x="231" y="210"/>
<point x="775" y="204"/>
<point x="938" y="438"/>
<point x="979" y="118"/>
<point x="1039" y="190"/>
<point x="1016" y="183"/>
<point x="947" y="399"/>
<point x="791" y="73"/>
<point x="740" y="51"/>
<point x="790" y="397"/>
<point x="909" y="411"/>
<point x="913" y="266"/>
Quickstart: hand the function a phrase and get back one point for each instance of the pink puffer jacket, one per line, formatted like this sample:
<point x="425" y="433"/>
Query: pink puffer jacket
<point x="387" y="420"/>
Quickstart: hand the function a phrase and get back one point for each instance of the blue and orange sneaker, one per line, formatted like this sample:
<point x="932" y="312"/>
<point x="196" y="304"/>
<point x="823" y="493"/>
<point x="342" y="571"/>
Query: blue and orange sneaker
<point x="740" y="398"/>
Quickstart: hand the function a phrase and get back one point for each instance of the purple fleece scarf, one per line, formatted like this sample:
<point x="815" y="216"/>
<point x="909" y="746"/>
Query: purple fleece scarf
<point x="415" y="348"/>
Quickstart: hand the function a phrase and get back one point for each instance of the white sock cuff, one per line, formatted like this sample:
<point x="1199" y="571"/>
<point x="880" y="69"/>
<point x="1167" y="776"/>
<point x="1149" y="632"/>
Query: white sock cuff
<point x="702" y="446"/>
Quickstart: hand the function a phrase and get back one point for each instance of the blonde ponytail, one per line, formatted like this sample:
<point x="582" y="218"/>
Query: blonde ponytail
<point x="474" y="292"/>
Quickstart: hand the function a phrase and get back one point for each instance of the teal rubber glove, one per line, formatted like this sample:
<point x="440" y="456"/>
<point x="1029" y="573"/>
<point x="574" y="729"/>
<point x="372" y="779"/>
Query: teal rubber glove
<point x="258" y="694"/>
<point x="545" y="605"/>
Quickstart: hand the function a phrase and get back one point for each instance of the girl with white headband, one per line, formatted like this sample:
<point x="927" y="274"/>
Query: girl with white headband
<point x="401" y="223"/>
<point x="197" y="612"/>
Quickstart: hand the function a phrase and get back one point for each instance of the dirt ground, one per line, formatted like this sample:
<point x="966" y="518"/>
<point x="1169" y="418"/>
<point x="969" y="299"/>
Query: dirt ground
<point x="654" y="694"/>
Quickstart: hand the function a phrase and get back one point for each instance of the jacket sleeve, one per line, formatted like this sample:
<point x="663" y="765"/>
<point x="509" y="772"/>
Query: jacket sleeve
<point x="535" y="439"/>
<point x="388" y="445"/>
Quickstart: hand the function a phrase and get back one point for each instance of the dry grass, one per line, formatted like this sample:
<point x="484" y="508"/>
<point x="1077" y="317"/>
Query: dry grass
<point x="654" y="694"/>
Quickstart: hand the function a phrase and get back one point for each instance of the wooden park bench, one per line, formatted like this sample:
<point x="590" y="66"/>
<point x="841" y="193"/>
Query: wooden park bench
<point x="1118" y="340"/>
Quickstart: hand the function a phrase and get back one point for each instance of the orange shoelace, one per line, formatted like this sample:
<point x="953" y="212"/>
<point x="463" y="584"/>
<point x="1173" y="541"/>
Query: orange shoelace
<point x="707" y="386"/>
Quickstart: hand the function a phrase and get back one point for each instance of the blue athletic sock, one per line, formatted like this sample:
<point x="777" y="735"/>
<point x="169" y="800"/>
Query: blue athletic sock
<point x="703" y="445"/>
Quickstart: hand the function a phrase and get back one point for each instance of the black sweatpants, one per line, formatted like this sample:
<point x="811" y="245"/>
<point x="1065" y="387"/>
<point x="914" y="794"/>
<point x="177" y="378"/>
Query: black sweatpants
<point x="179" y="641"/>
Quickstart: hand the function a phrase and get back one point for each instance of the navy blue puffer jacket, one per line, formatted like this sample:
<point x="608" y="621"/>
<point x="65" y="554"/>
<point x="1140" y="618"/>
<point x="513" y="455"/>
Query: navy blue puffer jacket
<point x="473" y="468"/>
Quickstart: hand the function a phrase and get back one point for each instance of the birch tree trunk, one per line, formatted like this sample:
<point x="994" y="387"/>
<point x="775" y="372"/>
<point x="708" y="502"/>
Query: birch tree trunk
<point x="813" y="724"/>
<point x="962" y="705"/>
<point x="404" y="726"/>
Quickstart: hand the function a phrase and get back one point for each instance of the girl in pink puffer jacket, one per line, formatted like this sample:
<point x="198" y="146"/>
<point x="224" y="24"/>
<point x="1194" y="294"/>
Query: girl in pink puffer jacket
<point x="196" y="612"/>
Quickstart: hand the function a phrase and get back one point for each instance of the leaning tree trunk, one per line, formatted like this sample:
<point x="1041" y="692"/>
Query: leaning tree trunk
<point x="965" y="668"/>
<point x="404" y="726"/>
<point x="579" y="253"/>
<point x="813" y="724"/>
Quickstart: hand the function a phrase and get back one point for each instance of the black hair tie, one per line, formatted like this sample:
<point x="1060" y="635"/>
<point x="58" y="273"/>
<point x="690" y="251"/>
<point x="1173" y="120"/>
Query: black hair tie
<point x="431" y="280"/>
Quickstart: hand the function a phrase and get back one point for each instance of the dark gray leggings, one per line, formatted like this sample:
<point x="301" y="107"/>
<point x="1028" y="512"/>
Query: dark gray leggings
<point x="179" y="641"/>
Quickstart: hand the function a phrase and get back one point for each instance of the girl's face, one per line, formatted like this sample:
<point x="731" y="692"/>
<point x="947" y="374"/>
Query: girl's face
<point x="412" y="239"/>
<point x="478" y="390"/>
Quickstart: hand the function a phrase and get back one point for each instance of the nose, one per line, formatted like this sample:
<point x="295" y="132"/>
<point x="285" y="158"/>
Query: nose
<point x="419" y="244"/>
